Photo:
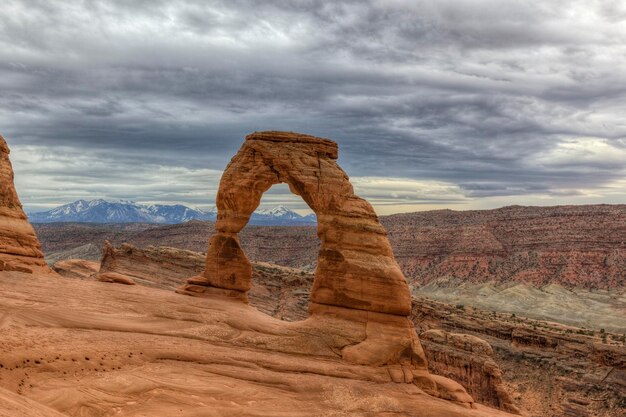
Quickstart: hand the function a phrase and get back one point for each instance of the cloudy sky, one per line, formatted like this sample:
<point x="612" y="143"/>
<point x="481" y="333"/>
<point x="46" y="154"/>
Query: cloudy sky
<point x="435" y="104"/>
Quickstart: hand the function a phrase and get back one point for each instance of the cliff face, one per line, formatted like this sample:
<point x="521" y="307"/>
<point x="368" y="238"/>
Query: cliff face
<point x="550" y="369"/>
<point x="468" y="360"/>
<point x="277" y="291"/>
<point x="19" y="247"/>
<point x="157" y="267"/>
<point x="573" y="246"/>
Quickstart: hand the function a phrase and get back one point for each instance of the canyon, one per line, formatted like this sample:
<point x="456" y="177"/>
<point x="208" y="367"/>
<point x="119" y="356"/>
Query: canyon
<point x="512" y="363"/>
<point x="544" y="262"/>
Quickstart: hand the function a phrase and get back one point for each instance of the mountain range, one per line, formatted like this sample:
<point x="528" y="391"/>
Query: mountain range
<point x="102" y="211"/>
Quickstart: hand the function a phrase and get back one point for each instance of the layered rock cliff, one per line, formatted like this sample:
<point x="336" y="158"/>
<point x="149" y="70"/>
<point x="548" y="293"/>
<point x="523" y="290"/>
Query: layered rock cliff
<point x="468" y="360"/>
<point x="19" y="248"/>
<point x="549" y="369"/>
<point x="158" y="267"/>
<point x="573" y="246"/>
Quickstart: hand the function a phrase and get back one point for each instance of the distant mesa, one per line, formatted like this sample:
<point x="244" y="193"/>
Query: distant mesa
<point x="19" y="247"/>
<point x="103" y="211"/>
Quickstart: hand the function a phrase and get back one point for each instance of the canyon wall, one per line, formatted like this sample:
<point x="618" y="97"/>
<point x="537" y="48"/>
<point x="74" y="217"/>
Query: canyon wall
<point x="572" y="246"/>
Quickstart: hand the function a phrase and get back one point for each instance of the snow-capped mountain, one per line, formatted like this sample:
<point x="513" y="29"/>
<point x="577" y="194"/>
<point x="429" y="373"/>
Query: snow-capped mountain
<point x="102" y="211"/>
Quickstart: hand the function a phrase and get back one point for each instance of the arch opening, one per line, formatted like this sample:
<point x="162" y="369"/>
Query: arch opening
<point x="282" y="274"/>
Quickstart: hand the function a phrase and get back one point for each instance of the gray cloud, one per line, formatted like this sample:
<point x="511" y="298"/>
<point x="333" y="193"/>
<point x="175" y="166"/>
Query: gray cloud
<point x="495" y="103"/>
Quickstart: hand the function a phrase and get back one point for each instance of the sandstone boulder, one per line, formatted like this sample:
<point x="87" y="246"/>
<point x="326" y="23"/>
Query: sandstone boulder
<point x="76" y="268"/>
<point x="19" y="248"/>
<point x="116" y="278"/>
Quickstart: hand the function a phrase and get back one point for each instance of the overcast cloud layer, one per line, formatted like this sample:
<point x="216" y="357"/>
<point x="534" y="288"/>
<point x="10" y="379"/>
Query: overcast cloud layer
<point x="459" y="104"/>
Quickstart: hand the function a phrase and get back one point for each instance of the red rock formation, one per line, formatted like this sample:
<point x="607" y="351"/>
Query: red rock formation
<point x="76" y="268"/>
<point x="549" y="369"/>
<point x="468" y="360"/>
<point x="115" y="277"/>
<point x="19" y="247"/>
<point x="160" y="267"/>
<point x="573" y="246"/>
<point x="358" y="285"/>
<point x="83" y="348"/>
<point x="356" y="267"/>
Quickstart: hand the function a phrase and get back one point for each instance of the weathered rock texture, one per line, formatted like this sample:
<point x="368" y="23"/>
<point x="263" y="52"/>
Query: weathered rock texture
<point x="278" y="291"/>
<point x="572" y="246"/>
<point x="76" y="268"/>
<point x="468" y="360"/>
<point x="549" y="369"/>
<point x="87" y="349"/>
<point x="355" y="269"/>
<point x="158" y="267"/>
<point x="357" y="279"/>
<point x="19" y="247"/>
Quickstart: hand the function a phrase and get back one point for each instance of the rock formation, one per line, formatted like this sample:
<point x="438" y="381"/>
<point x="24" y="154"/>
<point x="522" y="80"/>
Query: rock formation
<point x="19" y="248"/>
<point x="76" y="268"/>
<point x="549" y="369"/>
<point x="468" y="360"/>
<point x="160" y="267"/>
<point x="82" y="348"/>
<point x="358" y="285"/>
<point x="572" y="246"/>
<point x="115" y="278"/>
<point x="355" y="269"/>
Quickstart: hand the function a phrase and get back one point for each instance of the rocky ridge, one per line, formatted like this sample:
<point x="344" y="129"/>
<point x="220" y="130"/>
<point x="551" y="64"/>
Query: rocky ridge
<point x="572" y="246"/>
<point x="19" y="248"/>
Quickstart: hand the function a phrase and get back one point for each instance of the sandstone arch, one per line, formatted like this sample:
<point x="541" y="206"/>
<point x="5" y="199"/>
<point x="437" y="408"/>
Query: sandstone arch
<point x="356" y="268"/>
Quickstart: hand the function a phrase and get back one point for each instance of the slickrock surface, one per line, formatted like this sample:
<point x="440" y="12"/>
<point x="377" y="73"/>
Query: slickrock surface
<point x="112" y="350"/>
<point x="76" y="268"/>
<point x="468" y="360"/>
<point x="19" y="247"/>
<point x="546" y="374"/>
<point x="115" y="278"/>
